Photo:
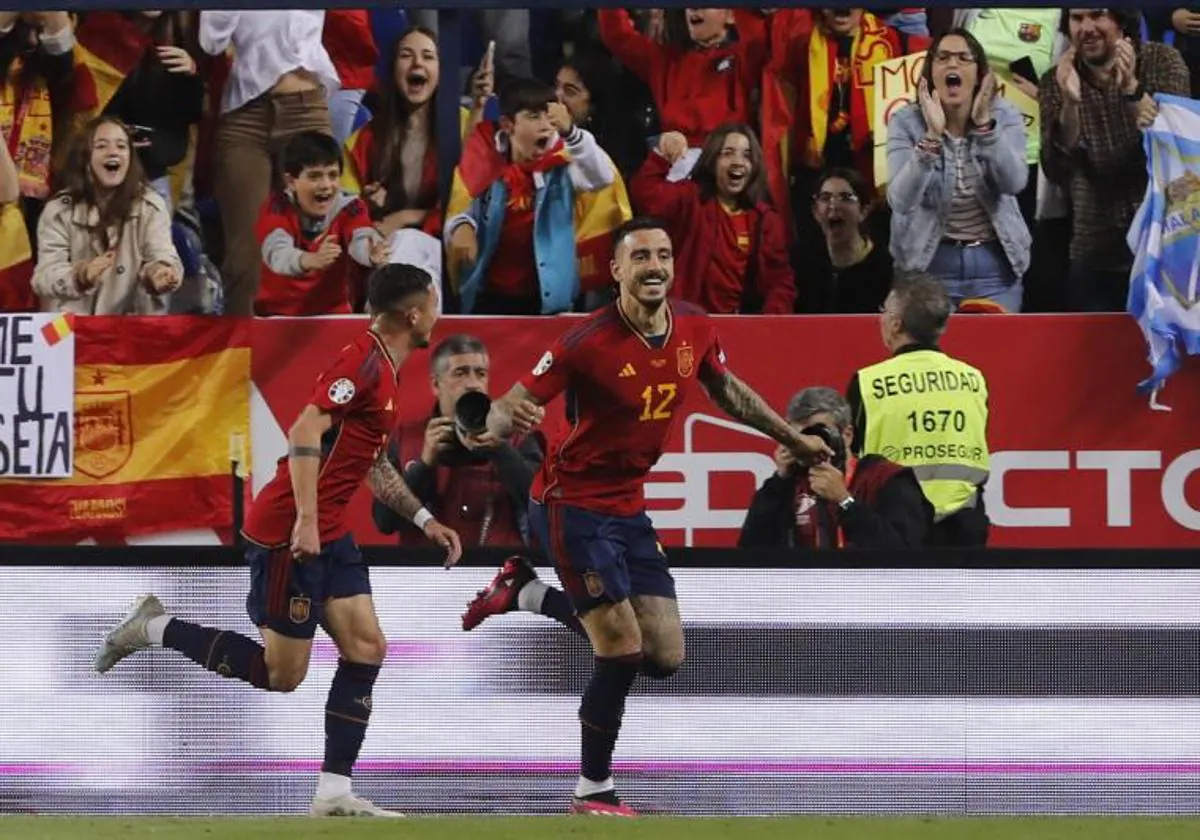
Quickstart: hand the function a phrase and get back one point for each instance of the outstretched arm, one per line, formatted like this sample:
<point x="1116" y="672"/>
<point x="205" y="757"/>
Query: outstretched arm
<point x="739" y="401"/>
<point x="388" y="486"/>
<point x="516" y="411"/>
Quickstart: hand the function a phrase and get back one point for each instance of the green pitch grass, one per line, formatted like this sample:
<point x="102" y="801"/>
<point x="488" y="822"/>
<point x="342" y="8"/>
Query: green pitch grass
<point x="586" y="828"/>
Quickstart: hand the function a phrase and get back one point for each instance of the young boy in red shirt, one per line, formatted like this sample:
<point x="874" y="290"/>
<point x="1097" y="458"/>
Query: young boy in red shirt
<point x="698" y="87"/>
<point x="314" y="236"/>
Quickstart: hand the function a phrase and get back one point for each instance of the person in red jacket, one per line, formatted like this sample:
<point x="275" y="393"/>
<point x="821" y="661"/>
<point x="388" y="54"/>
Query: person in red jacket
<point x="732" y="251"/>
<point x="699" y="87"/>
<point x="313" y="235"/>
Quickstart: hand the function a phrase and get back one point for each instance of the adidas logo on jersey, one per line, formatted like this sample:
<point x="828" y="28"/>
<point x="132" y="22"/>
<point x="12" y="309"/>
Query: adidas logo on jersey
<point x="627" y="371"/>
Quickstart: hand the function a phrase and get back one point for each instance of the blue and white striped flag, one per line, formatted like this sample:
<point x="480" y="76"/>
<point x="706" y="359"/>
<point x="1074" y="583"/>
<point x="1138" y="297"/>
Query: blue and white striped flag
<point x="1164" y="287"/>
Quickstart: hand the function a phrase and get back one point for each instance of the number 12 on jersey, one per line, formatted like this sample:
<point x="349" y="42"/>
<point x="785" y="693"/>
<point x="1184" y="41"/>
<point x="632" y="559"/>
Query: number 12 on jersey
<point x="656" y="401"/>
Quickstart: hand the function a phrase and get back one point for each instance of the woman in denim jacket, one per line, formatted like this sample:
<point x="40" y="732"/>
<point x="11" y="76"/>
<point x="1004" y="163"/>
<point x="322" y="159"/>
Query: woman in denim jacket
<point x="956" y="162"/>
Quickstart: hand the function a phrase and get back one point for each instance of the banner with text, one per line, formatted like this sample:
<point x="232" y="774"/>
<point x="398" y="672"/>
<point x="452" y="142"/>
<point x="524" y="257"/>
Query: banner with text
<point x="1078" y="458"/>
<point x="895" y="86"/>
<point x="158" y="404"/>
<point x="37" y="395"/>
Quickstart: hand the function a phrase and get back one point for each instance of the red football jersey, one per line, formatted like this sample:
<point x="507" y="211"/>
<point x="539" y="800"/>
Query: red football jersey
<point x="360" y="391"/>
<point x="623" y="394"/>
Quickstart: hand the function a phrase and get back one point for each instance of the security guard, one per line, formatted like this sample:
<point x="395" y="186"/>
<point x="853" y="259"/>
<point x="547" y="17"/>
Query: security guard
<point x="927" y="411"/>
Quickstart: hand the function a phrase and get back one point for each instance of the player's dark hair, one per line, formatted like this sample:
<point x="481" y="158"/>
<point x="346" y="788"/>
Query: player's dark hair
<point x="309" y="148"/>
<point x="393" y="284"/>
<point x="633" y="226"/>
<point x="923" y="304"/>
<point x="459" y="344"/>
<point x="525" y="95"/>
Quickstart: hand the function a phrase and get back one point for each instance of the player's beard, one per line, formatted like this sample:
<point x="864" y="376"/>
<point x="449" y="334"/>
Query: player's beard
<point x="653" y="275"/>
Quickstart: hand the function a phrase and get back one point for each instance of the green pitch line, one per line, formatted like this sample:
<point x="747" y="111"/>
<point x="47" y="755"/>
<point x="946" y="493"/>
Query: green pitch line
<point x="585" y="828"/>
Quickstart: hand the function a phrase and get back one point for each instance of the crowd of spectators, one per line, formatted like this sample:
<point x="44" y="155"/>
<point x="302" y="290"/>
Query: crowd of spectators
<point x="262" y="162"/>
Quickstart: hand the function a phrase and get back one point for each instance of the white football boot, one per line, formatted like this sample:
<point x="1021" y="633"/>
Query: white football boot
<point x="130" y="635"/>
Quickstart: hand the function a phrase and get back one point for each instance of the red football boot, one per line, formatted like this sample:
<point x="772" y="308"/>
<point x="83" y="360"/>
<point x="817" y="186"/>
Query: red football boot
<point x="600" y="805"/>
<point x="500" y="596"/>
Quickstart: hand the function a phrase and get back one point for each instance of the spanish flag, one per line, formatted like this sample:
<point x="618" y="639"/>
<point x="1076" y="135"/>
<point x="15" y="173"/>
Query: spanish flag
<point x="16" y="262"/>
<point x="597" y="214"/>
<point x="109" y="46"/>
<point x="58" y="329"/>
<point x="160" y="406"/>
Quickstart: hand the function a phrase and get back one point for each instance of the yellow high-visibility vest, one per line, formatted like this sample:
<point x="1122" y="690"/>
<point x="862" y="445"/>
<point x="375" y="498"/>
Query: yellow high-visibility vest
<point x="927" y="411"/>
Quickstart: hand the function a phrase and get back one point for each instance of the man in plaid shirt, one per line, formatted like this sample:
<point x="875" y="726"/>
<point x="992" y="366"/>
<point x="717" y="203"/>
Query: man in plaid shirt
<point x="1094" y="104"/>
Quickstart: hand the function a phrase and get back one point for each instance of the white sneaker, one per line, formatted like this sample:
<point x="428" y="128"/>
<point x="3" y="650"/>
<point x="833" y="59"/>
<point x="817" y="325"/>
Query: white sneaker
<point x="348" y="805"/>
<point x="130" y="635"/>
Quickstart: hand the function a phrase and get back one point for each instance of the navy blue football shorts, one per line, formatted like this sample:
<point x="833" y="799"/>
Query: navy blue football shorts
<point x="601" y="558"/>
<point x="289" y="597"/>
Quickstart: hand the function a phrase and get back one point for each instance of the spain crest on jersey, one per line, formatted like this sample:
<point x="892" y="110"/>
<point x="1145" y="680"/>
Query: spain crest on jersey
<point x="1030" y="33"/>
<point x="686" y="360"/>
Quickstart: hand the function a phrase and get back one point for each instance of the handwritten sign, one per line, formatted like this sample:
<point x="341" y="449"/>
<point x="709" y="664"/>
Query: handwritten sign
<point x="896" y="85"/>
<point x="37" y="396"/>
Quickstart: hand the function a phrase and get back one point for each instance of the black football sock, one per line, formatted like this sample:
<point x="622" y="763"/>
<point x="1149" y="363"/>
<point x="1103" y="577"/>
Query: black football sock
<point x="538" y="597"/>
<point x="557" y="605"/>
<point x="347" y="712"/>
<point x="601" y="711"/>
<point x="220" y="651"/>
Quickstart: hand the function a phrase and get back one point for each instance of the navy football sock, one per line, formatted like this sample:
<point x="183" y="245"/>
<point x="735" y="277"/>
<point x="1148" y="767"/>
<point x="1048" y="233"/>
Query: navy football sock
<point x="601" y="711"/>
<point x="346" y="714"/>
<point x="556" y="605"/>
<point x="220" y="651"/>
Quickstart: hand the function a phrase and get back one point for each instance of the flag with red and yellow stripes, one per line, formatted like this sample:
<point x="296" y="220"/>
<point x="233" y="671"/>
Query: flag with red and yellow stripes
<point x="16" y="262"/>
<point x="162" y="405"/>
<point x="109" y="45"/>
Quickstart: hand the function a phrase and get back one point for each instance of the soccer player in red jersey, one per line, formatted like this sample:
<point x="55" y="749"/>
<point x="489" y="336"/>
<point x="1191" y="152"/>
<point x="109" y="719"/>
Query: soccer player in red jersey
<point x="305" y="568"/>
<point x="625" y="369"/>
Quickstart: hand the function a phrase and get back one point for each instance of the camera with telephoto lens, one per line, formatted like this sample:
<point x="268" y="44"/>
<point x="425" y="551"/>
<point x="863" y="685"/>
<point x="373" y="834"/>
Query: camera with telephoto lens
<point x="833" y="439"/>
<point x="471" y="413"/>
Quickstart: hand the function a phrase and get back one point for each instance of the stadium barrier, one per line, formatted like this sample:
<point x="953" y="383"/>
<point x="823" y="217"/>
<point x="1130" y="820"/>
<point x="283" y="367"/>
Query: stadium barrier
<point x="949" y="683"/>
<point x="163" y="406"/>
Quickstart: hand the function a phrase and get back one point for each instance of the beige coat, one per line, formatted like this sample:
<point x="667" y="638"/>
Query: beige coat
<point x="64" y="242"/>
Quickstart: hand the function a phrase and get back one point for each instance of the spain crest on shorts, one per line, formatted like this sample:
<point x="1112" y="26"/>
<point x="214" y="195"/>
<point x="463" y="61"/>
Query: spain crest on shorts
<point x="299" y="610"/>
<point x="1030" y="33"/>
<point x="594" y="584"/>
<point x="686" y="360"/>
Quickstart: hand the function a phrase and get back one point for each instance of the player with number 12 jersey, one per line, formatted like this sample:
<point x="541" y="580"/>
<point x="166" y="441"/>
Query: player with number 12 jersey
<point x="625" y="373"/>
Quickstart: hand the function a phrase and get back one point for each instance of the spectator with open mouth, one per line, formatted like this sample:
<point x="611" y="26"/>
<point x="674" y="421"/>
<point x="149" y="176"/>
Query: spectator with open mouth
<point x="313" y="234"/>
<point x="956" y="161"/>
<point x="856" y="273"/>
<point x="104" y="243"/>
<point x="732" y="246"/>
<point x="532" y="210"/>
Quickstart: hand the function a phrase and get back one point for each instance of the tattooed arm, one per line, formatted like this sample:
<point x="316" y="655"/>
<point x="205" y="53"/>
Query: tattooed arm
<point x="739" y="401"/>
<point x="388" y="486"/>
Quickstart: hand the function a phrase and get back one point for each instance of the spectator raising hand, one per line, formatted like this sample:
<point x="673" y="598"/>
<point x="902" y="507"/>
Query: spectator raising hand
<point x="956" y="162"/>
<point x="731" y="248"/>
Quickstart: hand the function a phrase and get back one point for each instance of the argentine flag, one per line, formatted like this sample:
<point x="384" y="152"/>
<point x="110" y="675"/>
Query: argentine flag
<point x="1164" y="287"/>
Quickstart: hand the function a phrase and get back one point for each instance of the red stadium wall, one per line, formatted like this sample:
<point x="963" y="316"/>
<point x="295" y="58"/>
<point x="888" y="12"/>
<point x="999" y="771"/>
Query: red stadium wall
<point x="1080" y="459"/>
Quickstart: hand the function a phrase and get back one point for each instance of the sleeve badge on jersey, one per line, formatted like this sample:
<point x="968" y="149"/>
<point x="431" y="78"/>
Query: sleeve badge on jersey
<point x="341" y="391"/>
<point x="720" y="355"/>
<point x="686" y="360"/>
<point x="543" y="364"/>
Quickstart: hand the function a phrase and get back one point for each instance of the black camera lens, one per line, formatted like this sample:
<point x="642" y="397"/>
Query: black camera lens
<point x="471" y="412"/>
<point x="833" y="439"/>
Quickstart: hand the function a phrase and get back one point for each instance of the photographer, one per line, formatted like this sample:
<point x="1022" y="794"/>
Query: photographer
<point x="481" y="492"/>
<point x="845" y="503"/>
